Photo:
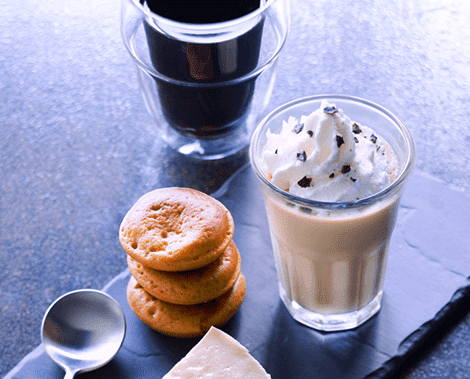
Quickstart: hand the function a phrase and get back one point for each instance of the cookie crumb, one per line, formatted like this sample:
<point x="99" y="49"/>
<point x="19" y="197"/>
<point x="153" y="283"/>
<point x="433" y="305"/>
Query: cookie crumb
<point x="339" y="140"/>
<point x="298" y="128"/>
<point x="302" y="156"/>
<point x="305" y="182"/>
<point x="305" y="210"/>
<point x="330" y="110"/>
<point x="356" y="128"/>
<point x="345" y="169"/>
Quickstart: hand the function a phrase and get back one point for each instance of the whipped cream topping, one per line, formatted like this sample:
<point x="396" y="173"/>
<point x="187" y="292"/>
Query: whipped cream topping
<point x="327" y="157"/>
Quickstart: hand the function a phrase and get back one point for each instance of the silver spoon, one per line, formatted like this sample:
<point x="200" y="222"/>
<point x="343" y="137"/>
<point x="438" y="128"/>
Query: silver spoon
<point x="83" y="330"/>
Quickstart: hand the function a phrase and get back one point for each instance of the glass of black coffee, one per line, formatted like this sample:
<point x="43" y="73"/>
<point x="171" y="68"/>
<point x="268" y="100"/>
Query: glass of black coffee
<point x="206" y="68"/>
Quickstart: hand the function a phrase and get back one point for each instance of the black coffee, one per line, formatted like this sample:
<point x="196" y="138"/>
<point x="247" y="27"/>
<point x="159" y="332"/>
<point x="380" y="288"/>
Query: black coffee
<point x="202" y="12"/>
<point x="202" y="106"/>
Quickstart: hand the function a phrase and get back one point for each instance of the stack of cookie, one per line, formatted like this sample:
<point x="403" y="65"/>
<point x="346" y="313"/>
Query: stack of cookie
<point x="185" y="266"/>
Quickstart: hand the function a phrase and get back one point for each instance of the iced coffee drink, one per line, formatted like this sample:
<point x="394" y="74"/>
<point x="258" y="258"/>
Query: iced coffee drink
<point x="332" y="169"/>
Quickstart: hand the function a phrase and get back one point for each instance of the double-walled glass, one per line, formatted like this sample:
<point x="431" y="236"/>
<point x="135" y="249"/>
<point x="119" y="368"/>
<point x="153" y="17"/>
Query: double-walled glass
<point x="331" y="257"/>
<point x="205" y="84"/>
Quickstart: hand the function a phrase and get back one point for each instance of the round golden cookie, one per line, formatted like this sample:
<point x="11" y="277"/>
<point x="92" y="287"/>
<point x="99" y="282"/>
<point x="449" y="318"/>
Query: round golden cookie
<point x="190" y="287"/>
<point x="184" y="320"/>
<point x="176" y="229"/>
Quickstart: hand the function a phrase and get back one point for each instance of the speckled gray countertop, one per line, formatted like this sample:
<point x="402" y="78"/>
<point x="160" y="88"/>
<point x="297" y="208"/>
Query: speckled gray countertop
<point x="75" y="153"/>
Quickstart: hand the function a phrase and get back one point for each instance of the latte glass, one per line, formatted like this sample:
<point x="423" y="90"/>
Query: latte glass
<point x="331" y="257"/>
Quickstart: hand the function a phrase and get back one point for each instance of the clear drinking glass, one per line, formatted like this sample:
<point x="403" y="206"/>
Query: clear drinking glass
<point x="331" y="257"/>
<point x="205" y="84"/>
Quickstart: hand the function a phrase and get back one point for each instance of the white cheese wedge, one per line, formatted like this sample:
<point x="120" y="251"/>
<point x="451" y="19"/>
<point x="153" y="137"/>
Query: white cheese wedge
<point x="219" y="356"/>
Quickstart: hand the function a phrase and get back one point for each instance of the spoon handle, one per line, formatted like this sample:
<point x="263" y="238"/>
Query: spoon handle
<point x="69" y="374"/>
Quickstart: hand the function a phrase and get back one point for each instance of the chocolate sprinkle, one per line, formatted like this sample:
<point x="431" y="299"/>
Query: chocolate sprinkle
<point x="302" y="156"/>
<point x="330" y="110"/>
<point x="332" y="175"/>
<point x="356" y="140"/>
<point x="356" y="129"/>
<point x="305" y="210"/>
<point x="345" y="169"/>
<point x="275" y="152"/>
<point x="310" y="133"/>
<point x="298" y="128"/>
<point x="339" y="140"/>
<point x="305" y="182"/>
<point x="373" y="138"/>
<point x="353" y="179"/>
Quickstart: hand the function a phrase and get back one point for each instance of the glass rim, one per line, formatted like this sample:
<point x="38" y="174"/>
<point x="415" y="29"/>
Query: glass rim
<point x="210" y="27"/>
<point x="269" y="61"/>
<point x="391" y="188"/>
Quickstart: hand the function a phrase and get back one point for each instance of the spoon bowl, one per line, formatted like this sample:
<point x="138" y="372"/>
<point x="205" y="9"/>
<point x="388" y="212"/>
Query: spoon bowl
<point x="83" y="330"/>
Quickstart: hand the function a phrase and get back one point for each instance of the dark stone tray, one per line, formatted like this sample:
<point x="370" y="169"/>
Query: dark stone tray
<point x="426" y="280"/>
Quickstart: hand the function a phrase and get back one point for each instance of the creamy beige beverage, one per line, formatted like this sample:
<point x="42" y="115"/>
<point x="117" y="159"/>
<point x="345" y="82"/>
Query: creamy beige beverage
<point x="331" y="263"/>
<point x="331" y="197"/>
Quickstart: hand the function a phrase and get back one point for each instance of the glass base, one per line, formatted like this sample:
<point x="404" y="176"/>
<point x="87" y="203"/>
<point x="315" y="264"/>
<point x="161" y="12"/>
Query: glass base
<point x="219" y="147"/>
<point x="334" y="321"/>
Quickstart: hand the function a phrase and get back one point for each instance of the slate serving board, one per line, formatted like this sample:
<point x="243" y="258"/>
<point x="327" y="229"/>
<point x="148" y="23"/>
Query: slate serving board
<point x="427" y="278"/>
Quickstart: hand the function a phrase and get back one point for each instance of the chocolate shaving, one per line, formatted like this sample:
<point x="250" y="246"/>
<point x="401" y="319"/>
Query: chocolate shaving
<point x="345" y="169"/>
<point x="353" y="179"/>
<point x="302" y="156"/>
<point x="332" y="175"/>
<point x="298" y="128"/>
<point x="305" y="182"/>
<point x="330" y="110"/>
<point x="310" y="133"/>
<point x="356" y="140"/>
<point x="356" y="129"/>
<point x="373" y="138"/>
<point x="339" y="140"/>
